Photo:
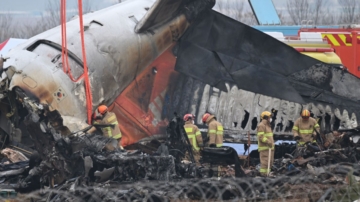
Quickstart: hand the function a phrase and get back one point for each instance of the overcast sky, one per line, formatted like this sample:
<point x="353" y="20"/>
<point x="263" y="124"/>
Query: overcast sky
<point x="26" y="8"/>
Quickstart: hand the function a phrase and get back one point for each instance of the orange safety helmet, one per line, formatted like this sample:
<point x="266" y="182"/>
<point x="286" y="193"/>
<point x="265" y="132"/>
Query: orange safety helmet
<point x="305" y="114"/>
<point x="189" y="116"/>
<point x="266" y="114"/>
<point x="102" y="109"/>
<point x="205" y="117"/>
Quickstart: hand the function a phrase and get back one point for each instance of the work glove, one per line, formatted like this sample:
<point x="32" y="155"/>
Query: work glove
<point x="97" y="115"/>
<point x="270" y="144"/>
<point x="297" y="138"/>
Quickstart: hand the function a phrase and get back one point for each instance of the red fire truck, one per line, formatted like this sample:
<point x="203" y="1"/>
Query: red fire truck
<point x="345" y="42"/>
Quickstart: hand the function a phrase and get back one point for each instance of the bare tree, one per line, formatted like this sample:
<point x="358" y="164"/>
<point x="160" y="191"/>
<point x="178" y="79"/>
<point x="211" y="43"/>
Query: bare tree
<point x="236" y="10"/>
<point x="219" y="6"/>
<point x="224" y="7"/>
<point x="233" y="9"/>
<point x="6" y="28"/>
<point x="87" y="6"/>
<point x="284" y="20"/>
<point x="28" y="30"/>
<point x="318" y="11"/>
<point x="50" y="19"/>
<point x="349" y="10"/>
<point x="249" y="18"/>
<point x="52" y="14"/>
<point x="328" y="17"/>
<point x="298" y="10"/>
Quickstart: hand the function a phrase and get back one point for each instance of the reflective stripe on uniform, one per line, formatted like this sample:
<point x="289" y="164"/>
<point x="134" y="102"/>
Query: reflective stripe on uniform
<point x="260" y="133"/>
<point x="268" y="134"/>
<point x="188" y="130"/>
<point x="264" y="170"/>
<point x="193" y="141"/>
<point x="111" y="118"/>
<point x="108" y="131"/>
<point x="264" y="139"/>
<point x="191" y="137"/>
<point x="212" y="131"/>
<point x="198" y="133"/>
<point x="304" y="132"/>
<point x="264" y="148"/>
<point x="317" y="125"/>
<point x="117" y="136"/>
<point x="219" y="145"/>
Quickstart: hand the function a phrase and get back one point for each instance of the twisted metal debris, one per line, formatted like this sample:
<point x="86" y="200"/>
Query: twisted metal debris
<point x="298" y="188"/>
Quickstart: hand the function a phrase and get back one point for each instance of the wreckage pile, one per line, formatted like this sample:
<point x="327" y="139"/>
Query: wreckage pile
<point x="135" y="176"/>
<point x="77" y="168"/>
<point x="303" y="187"/>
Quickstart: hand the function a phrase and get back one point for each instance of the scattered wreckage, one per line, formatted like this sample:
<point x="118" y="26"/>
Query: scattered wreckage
<point x="155" y="61"/>
<point x="79" y="168"/>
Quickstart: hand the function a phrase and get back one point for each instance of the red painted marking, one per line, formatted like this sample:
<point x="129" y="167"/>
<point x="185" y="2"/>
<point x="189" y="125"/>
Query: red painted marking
<point x="2" y="45"/>
<point x="135" y="120"/>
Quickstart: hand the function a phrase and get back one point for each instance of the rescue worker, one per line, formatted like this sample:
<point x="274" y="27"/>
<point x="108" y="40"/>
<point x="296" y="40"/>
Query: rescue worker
<point x="215" y="130"/>
<point x="194" y="136"/>
<point x="265" y="142"/>
<point x="215" y="136"/>
<point x="305" y="128"/>
<point x="104" y="117"/>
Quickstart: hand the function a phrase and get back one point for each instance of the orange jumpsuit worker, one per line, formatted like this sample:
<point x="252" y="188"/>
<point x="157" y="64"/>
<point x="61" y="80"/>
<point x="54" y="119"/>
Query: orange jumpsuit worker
<point x="304" y="128"/>
<point x="215" y="130"/>
<point x="103" y="116"/>
<point x="194" y="135"/>
<point x="265" y="142"/>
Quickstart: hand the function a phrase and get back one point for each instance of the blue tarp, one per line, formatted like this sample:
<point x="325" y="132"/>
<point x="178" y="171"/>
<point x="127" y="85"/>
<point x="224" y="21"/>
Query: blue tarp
<point x="240" y="147"/>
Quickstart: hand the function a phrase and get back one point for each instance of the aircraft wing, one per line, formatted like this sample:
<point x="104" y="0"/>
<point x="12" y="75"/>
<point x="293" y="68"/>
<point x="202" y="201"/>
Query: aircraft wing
<point x="217" y="49"/>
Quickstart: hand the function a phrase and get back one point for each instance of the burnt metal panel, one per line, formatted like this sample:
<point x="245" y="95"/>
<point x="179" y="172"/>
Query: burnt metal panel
<point x="217" y="49"/>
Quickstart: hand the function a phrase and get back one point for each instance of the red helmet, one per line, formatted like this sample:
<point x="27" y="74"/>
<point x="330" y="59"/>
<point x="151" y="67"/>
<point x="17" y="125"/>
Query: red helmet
<point x="102" y="109"/>
<point x="189" y="116"/>
<point x="205" y="117"/>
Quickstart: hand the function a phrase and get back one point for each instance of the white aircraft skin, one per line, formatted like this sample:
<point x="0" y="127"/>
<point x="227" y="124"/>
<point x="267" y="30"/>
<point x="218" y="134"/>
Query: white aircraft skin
<point x="114" y="51"/>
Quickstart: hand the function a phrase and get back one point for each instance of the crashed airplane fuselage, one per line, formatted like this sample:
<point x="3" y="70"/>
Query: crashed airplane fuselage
<point x="148" y="59"/>
<point x="116" y="56"/>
